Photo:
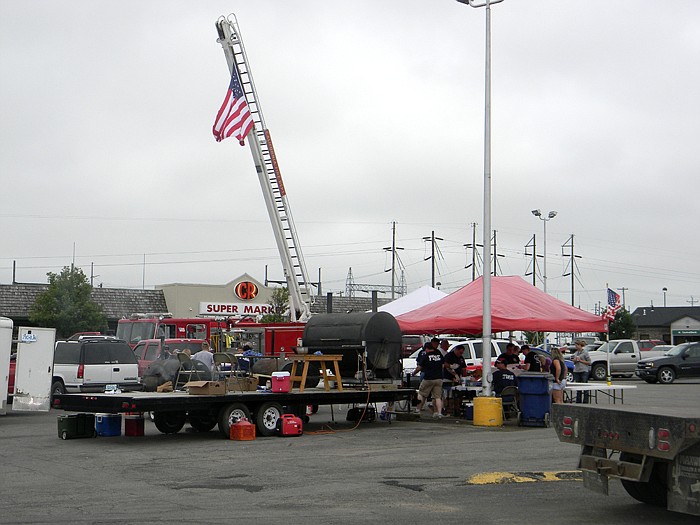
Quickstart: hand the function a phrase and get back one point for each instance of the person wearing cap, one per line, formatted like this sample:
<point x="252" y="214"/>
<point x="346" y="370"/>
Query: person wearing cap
<point x="532" y="362"/>
<point x="502" y="377"/>
<point x="582" y="368"/>
<point x="432" y="365"/>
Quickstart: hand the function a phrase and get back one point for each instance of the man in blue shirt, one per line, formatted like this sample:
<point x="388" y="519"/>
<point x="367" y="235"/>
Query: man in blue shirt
<point x="432" y="365"/>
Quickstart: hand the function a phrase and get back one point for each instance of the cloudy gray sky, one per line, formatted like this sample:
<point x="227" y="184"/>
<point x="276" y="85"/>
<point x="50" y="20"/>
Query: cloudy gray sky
<point x="376" y="109"/>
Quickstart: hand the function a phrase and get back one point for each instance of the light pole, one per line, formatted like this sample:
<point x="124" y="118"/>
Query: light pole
<point x="545" y="220"/>
<point x="664" y="290"/>
<point x="486" y="282"/>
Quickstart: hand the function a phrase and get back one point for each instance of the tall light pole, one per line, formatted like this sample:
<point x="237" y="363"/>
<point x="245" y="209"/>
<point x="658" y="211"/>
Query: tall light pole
<point x="486" y="282"/>
<point x="545" y="220"/>
<point x="664" y="290"/>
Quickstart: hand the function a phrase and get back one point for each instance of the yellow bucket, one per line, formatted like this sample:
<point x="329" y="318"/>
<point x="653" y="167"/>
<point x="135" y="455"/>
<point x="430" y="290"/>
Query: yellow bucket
<point x="488" y="412"/>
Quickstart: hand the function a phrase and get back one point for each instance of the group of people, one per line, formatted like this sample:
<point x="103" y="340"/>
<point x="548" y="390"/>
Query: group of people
<point x="440" y="368"/>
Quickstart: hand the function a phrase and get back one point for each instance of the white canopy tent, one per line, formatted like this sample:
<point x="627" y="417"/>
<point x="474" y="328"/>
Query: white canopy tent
<point x="409" y="302"/>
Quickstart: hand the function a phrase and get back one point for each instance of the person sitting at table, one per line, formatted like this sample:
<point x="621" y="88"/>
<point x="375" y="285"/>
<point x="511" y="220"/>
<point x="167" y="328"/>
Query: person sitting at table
<point x="502" y="377"/>
<point x="532" y="363"/>
<point x="455" y="369"/>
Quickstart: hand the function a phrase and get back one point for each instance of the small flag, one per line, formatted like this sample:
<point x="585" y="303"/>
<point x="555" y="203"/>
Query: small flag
<point x="613" y="305"/>
<point x="234" y="117"/>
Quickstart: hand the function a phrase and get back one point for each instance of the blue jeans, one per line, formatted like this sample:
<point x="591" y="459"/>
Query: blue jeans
<point x="581" y="377"/>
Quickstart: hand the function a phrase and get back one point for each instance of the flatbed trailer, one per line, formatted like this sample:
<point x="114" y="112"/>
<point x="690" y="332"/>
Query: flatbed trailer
<point x="653" y="451"/>
<point x="171" y="410"/>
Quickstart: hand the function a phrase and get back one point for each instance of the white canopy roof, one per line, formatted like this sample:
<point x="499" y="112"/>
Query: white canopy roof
<point x="413" y="300"/>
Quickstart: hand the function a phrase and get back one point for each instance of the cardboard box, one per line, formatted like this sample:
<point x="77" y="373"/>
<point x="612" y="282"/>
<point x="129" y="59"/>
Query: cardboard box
<point x="206" y="388"/>
<point x="241" y="384"/>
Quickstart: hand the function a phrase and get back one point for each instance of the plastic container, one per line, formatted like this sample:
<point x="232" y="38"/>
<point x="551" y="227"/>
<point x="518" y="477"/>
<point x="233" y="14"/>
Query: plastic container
<point x="488" y="412"/>
<point x="108" y="425"/>
<point x="281" y="382"/>
<point x="134" y="425"/>
<point x="535" y="398"/>
<point x="243" y="430"/>
<point x="468" y="411"/>
<point x="73" y="426"/>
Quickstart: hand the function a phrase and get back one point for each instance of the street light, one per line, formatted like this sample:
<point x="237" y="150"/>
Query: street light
<point x="486" y="279"/>
<point x="664" y="290"/>
<point x="545" y="220"/>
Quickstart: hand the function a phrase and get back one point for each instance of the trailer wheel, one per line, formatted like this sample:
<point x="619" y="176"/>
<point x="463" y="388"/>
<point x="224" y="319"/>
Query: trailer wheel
<point x="202" y="422"/>
<point x="666" y="375"/>
<point x="599" y="372"/>
<point x="652" y="492"/>
<point x="231" y="414"/>
<point x="267" y="416"/>
<point x="169" y="422"/>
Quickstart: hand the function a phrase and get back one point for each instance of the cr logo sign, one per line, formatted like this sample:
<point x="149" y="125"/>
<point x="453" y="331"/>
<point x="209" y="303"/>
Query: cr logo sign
<point x="246" y="290"/>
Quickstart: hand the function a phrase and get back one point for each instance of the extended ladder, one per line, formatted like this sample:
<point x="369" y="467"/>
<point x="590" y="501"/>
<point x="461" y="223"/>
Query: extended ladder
<point x="269" y="174"/>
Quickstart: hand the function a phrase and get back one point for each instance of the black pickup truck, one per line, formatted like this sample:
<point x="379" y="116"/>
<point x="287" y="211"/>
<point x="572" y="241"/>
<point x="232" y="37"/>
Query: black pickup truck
<point x="680" y="361"/>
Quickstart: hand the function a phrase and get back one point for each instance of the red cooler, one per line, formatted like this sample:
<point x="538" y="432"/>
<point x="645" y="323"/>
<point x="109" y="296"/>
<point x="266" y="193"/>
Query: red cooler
<point x="281" y="382"/>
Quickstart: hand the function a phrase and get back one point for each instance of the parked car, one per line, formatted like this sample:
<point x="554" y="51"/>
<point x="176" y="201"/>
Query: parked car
<point x="681" y="361"/>
<point x="91" y="363"/>
<point x="149" y="350"/>
<point x="623" y="355"/>
<point x="648" y="344"/>
<point x="411" y="343"/>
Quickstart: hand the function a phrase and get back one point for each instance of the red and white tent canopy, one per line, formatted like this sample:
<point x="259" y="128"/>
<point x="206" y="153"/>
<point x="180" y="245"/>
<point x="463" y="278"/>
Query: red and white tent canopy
<point x="515" y="305"/>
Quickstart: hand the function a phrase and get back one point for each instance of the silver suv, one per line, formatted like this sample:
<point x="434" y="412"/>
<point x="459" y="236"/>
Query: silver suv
<point x="91" y="363"/>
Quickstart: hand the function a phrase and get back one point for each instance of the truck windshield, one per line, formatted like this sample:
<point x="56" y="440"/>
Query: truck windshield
<point x="605" y="347"/>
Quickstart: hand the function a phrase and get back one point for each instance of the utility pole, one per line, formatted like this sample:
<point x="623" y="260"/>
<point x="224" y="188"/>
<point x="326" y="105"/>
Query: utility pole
<point x="692" y="301"/>
<point x="475" y="253"/>
<point x="572" y="270"/>
<point x="496" y="255"/>
<point x="532" y="244"/>
<point x="623" y="289"/>
<point x="393" y="249"/>
<point x="432" y="240"/>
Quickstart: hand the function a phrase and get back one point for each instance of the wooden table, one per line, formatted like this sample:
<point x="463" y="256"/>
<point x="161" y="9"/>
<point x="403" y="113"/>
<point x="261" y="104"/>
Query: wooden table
<point x="322" y="360"/>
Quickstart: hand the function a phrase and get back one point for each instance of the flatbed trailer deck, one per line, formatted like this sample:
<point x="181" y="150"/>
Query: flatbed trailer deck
<point x="653" y="451"/>
<point x="171" y="410"/>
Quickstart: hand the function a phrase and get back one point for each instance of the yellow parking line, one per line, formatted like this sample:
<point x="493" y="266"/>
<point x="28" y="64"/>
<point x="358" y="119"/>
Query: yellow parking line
<point x="500" y="478"/>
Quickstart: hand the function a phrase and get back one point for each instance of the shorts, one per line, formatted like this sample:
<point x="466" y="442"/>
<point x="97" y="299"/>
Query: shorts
<point x="430" y="387"/>
<point x="559" y="386"/>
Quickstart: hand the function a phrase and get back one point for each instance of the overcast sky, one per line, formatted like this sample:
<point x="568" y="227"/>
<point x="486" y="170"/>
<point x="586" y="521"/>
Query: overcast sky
<point x="376" y="109"/>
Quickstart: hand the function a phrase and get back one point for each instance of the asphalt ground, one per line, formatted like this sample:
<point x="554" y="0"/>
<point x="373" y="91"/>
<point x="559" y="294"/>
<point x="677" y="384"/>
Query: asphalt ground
<point x="398" y="472"/>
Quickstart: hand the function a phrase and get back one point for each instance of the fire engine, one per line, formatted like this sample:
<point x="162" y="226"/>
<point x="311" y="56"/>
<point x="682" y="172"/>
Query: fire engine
<point x="223" y="334"/>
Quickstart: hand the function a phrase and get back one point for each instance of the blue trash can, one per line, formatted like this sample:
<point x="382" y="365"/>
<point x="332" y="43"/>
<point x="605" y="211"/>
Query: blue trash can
<point x="535" y="398"/>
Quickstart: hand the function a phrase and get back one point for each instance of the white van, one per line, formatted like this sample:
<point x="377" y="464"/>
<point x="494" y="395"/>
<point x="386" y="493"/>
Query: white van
<point x="90" y="364"/>
<point x="473" y="350"/>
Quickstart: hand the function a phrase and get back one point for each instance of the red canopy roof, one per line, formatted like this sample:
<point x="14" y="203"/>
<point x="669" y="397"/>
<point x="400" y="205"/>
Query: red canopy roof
<point x="515" y="305"/>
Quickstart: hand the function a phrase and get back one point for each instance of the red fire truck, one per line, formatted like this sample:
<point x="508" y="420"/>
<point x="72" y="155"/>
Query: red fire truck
<point x="222" y="334"/>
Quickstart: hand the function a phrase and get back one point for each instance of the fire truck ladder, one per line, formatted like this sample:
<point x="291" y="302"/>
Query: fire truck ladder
<point x="269" y="174"/>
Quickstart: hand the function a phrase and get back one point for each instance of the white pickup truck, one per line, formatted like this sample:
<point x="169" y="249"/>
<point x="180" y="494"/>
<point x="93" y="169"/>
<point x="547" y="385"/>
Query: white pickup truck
<point x="624" y="354"/>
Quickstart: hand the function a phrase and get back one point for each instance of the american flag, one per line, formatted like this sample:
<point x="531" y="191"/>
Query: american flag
<point x="234" y="116"/>
<point x="613" y="305"/>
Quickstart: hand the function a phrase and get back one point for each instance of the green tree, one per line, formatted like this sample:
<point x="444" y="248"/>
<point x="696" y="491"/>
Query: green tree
<point x="67" y="305"/>
<point x="623" y="326"/>
<point x="534" y="338"/>
<point x="280" y="305"/>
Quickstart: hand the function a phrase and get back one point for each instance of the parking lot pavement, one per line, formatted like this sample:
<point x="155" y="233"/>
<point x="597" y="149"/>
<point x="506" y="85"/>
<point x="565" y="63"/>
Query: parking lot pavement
<point x="401" y="472"/>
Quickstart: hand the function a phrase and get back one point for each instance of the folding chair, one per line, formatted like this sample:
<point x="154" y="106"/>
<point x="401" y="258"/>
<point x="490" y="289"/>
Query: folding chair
<point x="187" y="369"/>
<point x="510" y="400"/>
<point x="226" y="364"/>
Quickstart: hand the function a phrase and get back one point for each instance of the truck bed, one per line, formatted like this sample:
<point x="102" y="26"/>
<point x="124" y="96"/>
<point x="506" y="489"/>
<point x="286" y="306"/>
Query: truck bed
<point x="182" y="401"/>
<point x="637" y="430"/>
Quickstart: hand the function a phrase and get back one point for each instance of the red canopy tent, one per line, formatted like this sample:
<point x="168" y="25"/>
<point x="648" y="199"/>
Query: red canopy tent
<point x="515" y="305"/>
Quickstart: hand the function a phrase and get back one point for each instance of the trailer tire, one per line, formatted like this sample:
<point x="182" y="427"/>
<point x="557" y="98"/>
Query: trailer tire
<point x="599" y="372"/>
<point x="169" y="422"/>
<point x="266" y="418"/>
<point x="652" y="492"/>
<point x="666" y="375"/>
<point x="229" y="415"/>
<point x="203" y="422"/>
